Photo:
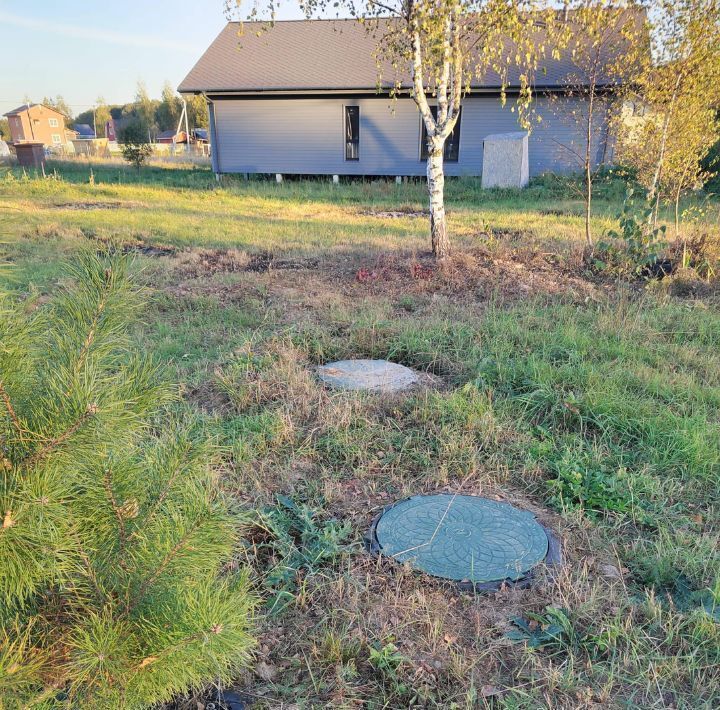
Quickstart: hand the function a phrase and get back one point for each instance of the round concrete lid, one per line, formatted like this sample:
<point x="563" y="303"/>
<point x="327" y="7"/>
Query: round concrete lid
<point x="462" y="538"/>
<point x="371" y="375"/>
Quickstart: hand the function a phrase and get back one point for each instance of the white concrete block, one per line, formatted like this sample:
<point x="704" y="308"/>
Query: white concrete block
<point x="336" y="179"/>
<point x="505" y="160"/>
<point x="278" y="177"/>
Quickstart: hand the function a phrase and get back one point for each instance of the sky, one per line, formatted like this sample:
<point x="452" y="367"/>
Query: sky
<point x="83" y="50"/>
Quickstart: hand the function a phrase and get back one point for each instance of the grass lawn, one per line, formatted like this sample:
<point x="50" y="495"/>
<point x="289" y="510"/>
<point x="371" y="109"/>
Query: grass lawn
<point x="593" y="403"/>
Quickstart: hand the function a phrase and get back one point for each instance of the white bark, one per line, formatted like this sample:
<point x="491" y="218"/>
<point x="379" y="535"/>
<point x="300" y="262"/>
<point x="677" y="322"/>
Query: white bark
<point x="588" y="166"/>
<point x="436" y="190"/>
<point x="653" y="192"/>
<point x="448" y="100"/>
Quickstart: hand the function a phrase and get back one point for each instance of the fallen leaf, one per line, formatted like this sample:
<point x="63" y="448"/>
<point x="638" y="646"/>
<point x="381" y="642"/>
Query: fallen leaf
<point x="610" y="571"/>
<point x="487" y="691"/>
<point x="265" y="671"/>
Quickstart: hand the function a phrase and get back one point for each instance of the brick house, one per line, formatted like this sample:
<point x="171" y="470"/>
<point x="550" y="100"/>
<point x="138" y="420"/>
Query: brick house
<point x="35" y="122"/>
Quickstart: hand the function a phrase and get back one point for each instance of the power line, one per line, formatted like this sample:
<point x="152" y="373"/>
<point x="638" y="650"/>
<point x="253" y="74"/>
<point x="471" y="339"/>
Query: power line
<point x="22" y="103"/>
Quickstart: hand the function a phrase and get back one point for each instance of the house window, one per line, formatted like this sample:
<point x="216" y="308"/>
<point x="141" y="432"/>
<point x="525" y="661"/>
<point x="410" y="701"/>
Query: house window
<point x="53" y="122"/>
<point x="451" y="153"/>
<point x="56" y="138"/>
<point x="352" y="133"/>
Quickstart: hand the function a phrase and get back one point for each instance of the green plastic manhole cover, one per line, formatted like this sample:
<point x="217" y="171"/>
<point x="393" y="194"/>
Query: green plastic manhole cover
<point x="462" y="538"/>
<point x="371" y="375"/>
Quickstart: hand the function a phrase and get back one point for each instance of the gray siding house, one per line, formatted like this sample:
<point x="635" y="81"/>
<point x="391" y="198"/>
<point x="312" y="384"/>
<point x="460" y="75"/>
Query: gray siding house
<point x="303" y="98"/>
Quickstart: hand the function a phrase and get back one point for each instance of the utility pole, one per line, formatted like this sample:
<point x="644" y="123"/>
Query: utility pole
<point x="32" y="130"/>
<point x="187" y="132"/>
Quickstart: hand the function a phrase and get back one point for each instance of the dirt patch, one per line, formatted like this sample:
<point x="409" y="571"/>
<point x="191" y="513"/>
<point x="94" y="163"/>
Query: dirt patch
<point x="151" y="249"/>
<point x="209" y="398"/>
<point x="194" y="263"/>
<point x="395" y="214"/>
<point x="557" y="213"/>
<point x="133" y="245"/>
<point x="266" y="261"/>
<point x="197" y="263"/>
<point x="509" y="265"/>
<point x="408" y="282"/>
<point x="513" y="273"/>
<point x="506" y="235"/>
<point x="685" y="283"/>
<point x="109" y="205"/>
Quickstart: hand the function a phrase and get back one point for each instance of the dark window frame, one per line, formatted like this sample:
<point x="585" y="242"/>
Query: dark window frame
<point x="351" y="133"/>
<point x="451" y="149"/>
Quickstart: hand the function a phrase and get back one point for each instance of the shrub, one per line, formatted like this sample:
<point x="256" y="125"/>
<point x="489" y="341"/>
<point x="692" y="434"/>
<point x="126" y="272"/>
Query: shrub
<point x="113" y="536"/>
<point x="637" y="248"/>
<point x="134" y="144"/>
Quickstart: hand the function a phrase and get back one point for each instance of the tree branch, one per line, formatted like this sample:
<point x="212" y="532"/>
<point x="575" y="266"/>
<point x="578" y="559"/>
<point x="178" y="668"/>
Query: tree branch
<point x="116" y="509"/>
<point x="417" y="76"/>
<point x="166" y="561"/>
<point x="54" y="443"/>
<point x="11" y="411"/>
<point x="89" y="339"/>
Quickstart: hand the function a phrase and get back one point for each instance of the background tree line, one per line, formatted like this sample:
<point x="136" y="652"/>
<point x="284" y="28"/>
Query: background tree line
<point x="153" y="115"/>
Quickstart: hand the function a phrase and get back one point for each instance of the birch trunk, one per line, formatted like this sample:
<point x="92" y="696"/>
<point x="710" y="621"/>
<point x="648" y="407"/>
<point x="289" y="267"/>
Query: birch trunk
<point x="588" y="207"/>
<point x="653" y="192"/>
<point x="588" y="169"/>
<point x="436" y="190"/>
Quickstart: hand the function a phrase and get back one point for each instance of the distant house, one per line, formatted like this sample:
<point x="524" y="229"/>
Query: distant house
<point x="303" y="98"/>
<point x="83" y="131"/>
<point x="115" y="126"/>
<point x="38" y="123"/>
<point x="172" y="137"/>
<point x="200" y="135"/>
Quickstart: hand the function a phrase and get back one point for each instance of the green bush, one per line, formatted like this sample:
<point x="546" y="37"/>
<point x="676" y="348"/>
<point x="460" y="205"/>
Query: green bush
<point x="135" y="144"/>
<point x="636" y="249"/>
<point x="114" y="540"/>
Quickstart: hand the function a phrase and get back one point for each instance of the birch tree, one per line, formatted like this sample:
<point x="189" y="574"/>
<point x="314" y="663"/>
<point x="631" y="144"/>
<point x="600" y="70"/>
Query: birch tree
<point x="605" y="41"/>
<point x="684" y="170"/>
<point x="679" y="87"/>
<point x="686" y="141"/>
<point x="438" y="50"/>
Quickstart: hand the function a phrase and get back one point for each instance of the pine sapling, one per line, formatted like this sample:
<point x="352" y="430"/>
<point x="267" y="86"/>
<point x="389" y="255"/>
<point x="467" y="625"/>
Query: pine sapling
<point x="116" y="583"/>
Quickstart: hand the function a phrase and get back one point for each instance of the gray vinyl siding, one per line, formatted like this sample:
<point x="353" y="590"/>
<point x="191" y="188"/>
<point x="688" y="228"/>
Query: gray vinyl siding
<point x="305" y="136"/>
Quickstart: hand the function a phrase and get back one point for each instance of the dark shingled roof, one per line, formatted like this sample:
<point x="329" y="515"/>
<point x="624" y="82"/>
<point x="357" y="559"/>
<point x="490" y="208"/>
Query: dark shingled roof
<point x="19" y="109"/>
<point x="312" y="55"/>
<point x="84" y="130"/>
<point x="25" y="107"/>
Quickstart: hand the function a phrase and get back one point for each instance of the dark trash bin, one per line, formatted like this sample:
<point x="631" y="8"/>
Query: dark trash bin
<point x="30" y="154"/>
